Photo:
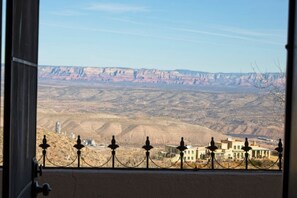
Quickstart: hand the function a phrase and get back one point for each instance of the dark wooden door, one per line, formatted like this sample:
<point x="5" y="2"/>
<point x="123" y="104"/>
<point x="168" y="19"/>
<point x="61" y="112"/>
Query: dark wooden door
<point x="20" y="96"/>
<point x="290" y="166"/>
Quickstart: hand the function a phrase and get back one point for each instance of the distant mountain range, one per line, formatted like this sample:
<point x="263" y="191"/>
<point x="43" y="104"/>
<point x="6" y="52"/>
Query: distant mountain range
<point x="184" y="77"/>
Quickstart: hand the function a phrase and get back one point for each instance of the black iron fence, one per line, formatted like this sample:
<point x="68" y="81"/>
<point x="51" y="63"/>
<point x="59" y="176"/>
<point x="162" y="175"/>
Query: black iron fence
<point x="147" y="162"/>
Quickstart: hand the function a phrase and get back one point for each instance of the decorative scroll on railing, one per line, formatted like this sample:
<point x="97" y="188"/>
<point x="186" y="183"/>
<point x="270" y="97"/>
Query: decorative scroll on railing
<point x="147" y="162"/>
<point x="165" y="167"/>
<point x="238" y="165"/>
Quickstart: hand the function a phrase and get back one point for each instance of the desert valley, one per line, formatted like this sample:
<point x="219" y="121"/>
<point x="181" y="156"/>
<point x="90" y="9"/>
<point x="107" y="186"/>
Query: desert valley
<point x="164" y="105"/>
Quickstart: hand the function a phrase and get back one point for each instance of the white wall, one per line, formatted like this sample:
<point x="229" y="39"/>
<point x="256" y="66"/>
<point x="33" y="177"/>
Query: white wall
<point x="163" y="184"/>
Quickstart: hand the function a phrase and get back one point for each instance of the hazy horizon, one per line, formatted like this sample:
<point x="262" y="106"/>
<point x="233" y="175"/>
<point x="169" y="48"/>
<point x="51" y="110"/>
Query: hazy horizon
<point x="281" y="70"/>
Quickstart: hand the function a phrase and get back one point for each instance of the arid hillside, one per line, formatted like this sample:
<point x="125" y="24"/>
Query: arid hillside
<point x="128" y="131"/>
<point x="62" y="153"/>
<point x="132" y="112"/>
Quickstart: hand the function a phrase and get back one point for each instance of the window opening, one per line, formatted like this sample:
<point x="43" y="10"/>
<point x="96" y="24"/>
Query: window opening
<point x="139" y="71"/>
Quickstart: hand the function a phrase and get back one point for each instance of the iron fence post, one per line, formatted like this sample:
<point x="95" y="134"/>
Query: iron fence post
<point x="113" y="146"/>
<point x="147" y="147"/>
<point x="44" y="146"/>
<point x="212" y="148"/>
<point x="246" y="148"/>
<point x="181" y="148"/>
<point x="279" y="149"/>
<point x="78" y="158"/>
<point x="78" y="146"/>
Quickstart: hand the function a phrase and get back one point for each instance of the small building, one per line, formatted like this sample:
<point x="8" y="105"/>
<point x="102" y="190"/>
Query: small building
<point x="88" y="142"/>
<point x="191" y="154"/>
<point x="232" y="149"/>
<point x="72" y="135"/>
<point x="171" y="149"/>
<point x="201" y="153"/>
<point x="58" y="127"/>
<point x="259" y="152"/>
<point x="227" y="149"/>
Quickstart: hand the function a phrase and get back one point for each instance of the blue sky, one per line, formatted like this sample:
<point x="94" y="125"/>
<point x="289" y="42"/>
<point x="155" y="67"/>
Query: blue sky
<point x="203" y="35"/>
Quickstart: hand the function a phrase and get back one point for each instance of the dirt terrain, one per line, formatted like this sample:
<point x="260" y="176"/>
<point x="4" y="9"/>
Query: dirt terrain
<point x="165" y="113"/>
<point x="133" y="111"/>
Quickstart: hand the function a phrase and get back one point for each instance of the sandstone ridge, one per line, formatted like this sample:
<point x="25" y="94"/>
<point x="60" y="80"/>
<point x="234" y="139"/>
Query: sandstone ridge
<point x="183" y="77"/>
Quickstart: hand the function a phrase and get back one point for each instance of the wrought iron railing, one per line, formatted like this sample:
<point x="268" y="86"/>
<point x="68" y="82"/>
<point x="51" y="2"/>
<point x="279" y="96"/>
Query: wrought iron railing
<point x="212" y="163"/>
